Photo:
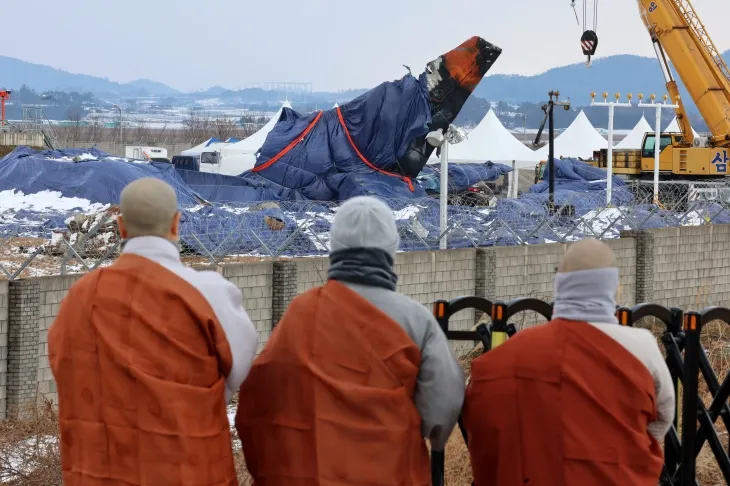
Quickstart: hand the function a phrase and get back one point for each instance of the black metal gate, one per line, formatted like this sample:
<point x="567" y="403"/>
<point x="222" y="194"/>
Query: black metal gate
<point x="490" y="335"/>
<point x="680" y="335"/>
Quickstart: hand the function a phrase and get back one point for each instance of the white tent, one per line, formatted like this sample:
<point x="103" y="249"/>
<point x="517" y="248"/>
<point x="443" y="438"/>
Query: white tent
<point x="674" y="128"/>
<point x="208" y="146"/>
<point x="635" y="138"/>
<point x="239" y="157"/>
<point x="580" y="139"/>
<point x="251" y="144"/>
<point x="491" y="141"/>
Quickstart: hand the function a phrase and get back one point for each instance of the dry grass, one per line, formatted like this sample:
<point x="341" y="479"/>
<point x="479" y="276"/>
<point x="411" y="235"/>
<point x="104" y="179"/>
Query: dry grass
<point x="29" y="448"/>
<point x="716" y="341"/>
<point x="6" y="149"/>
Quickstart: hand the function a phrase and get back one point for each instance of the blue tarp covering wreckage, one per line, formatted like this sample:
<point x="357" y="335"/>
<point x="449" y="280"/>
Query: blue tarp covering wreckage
<point x="261" y="219"/>
<point x="461" y="176"/>
<point x="244" y="225"/>
<point x="347" y="151"/>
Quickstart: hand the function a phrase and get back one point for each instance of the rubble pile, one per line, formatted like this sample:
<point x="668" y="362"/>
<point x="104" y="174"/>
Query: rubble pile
<point x="90" y="235"/>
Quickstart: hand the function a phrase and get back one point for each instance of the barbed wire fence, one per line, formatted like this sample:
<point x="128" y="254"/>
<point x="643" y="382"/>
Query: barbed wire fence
<point x="63" y="243"/>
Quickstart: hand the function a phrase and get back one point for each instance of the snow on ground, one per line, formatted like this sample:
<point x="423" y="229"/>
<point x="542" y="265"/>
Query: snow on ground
<point x="77" y="158"/>
<point x="45" y="201"/>
<point x="17" y="461"/>
<point x="231" y="413"/>
<point x="406" y="213"/>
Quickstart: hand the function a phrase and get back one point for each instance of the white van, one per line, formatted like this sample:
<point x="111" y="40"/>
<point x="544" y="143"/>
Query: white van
<point x="157" y="154"/>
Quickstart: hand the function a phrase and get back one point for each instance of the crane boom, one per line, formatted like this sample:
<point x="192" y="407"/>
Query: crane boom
<point x="676" y="29"/>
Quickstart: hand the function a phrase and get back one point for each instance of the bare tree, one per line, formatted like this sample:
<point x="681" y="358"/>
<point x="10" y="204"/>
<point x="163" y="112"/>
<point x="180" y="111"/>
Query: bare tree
<point x="160" y="136"/>
<point x="75" y="128"/>
<point x="95" y="129"/>
<point x="197" y="126"/>
<point x="224" y="128"/>
<point x="142" y="135"/>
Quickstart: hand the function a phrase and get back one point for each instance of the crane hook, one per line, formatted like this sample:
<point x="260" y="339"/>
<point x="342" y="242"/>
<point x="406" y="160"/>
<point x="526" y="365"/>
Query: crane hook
<point x="589" y="43"/>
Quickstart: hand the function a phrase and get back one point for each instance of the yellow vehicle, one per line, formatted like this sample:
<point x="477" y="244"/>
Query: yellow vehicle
<point x="679" y="35"/>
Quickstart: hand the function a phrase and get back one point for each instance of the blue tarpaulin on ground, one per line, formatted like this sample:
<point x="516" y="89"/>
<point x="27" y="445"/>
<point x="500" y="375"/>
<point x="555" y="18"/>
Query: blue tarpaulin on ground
<point x="98" y="180"/>
<point x="575" y="176"/>
<point x="315" y="156"/>
<point x="462" y="176"/>
<point x="300" y="227"/>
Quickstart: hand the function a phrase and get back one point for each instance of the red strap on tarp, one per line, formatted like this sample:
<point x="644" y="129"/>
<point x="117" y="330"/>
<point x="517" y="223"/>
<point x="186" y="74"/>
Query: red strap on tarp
<point x="289" y="147"/>
<point x="407" y="180"/>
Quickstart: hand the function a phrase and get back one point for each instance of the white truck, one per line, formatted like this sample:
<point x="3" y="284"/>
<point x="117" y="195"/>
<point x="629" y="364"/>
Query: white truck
<point x="138" y="152"/>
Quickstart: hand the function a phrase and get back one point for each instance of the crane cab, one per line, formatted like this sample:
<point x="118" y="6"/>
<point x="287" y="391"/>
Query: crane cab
<point x="679" y="158"/>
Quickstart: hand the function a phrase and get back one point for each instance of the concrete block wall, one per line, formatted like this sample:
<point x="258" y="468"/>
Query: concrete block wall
<point x="429" y="276"/>
<point x="506" y="273"/>
<point x="52" y="291"/>
<point x="23" y="318"/>
<point x="4" y="289"/>
<point x="691" y="266"/>
<point x="311" y="272"/>
<point x="256" y="283"/>
<point x="688" y="267"/>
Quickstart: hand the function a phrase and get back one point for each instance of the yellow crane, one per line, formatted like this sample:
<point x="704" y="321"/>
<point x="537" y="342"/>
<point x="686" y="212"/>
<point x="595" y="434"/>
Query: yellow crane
<point x="680" y="37"/>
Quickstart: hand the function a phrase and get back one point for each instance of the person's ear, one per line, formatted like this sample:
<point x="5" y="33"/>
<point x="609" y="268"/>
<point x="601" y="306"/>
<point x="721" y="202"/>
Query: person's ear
<point x="122" y="228"/>
<point x="175" y="229"/>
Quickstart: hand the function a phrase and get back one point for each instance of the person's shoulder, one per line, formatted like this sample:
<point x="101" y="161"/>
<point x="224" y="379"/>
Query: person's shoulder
<point x="640" y="334"/>
<point x="208" y="280"/>
<point x="218" y="291"/>
<point x="413" y="305"/>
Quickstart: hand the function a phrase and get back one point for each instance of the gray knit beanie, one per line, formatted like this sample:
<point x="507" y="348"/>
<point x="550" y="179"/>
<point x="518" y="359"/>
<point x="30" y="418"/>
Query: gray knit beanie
<point x="364" y="222"/>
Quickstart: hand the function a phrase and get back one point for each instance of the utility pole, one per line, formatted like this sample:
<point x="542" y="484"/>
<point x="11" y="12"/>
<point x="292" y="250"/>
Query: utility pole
<point x="609" y="163"/>
<point x="657" y="134"/>
<point x="524" y="127"/>
<point x="441" y="139"/>
<point x="121" y="126"/>
<point x="548" y="110"/>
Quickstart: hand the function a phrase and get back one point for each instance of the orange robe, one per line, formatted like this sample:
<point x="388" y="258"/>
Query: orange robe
<point x="329" y="401"/>
<point x="140" y="362"/>
<point x="561" y="404"/>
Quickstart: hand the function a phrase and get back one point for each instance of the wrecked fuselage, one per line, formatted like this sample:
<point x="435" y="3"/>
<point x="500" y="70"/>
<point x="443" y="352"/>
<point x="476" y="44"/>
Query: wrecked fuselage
<point x="451" y="79"/>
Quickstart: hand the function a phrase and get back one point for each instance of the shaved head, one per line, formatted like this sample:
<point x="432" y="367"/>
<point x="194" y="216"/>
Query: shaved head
<point x="588" y="254"/>
<point x="149" y="208"/>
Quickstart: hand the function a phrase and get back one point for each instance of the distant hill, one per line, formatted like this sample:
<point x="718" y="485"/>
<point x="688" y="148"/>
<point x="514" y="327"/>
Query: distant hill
<point x="623" y="74"/>
<point x="15" y="73"/>
<point x="517" y="95"/>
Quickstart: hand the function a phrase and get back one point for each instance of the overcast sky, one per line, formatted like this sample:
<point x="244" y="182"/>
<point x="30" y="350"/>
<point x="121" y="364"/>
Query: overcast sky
<point x="334" y="44"/>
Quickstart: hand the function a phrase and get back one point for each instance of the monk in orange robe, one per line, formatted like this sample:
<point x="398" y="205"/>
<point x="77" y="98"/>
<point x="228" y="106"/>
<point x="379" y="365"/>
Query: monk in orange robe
<point x="578" y="401"/>
<point x="354" y="376"/>
<point x="146" y="353"/>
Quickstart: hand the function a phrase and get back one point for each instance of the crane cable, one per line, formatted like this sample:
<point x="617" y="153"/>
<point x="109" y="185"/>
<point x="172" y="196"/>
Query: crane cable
<point x="589" y="39"/>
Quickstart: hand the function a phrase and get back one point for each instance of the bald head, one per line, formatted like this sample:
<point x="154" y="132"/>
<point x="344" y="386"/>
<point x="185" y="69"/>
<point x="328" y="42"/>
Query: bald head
<point x="588" y="254"/>
<point x="149" y="208"/>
